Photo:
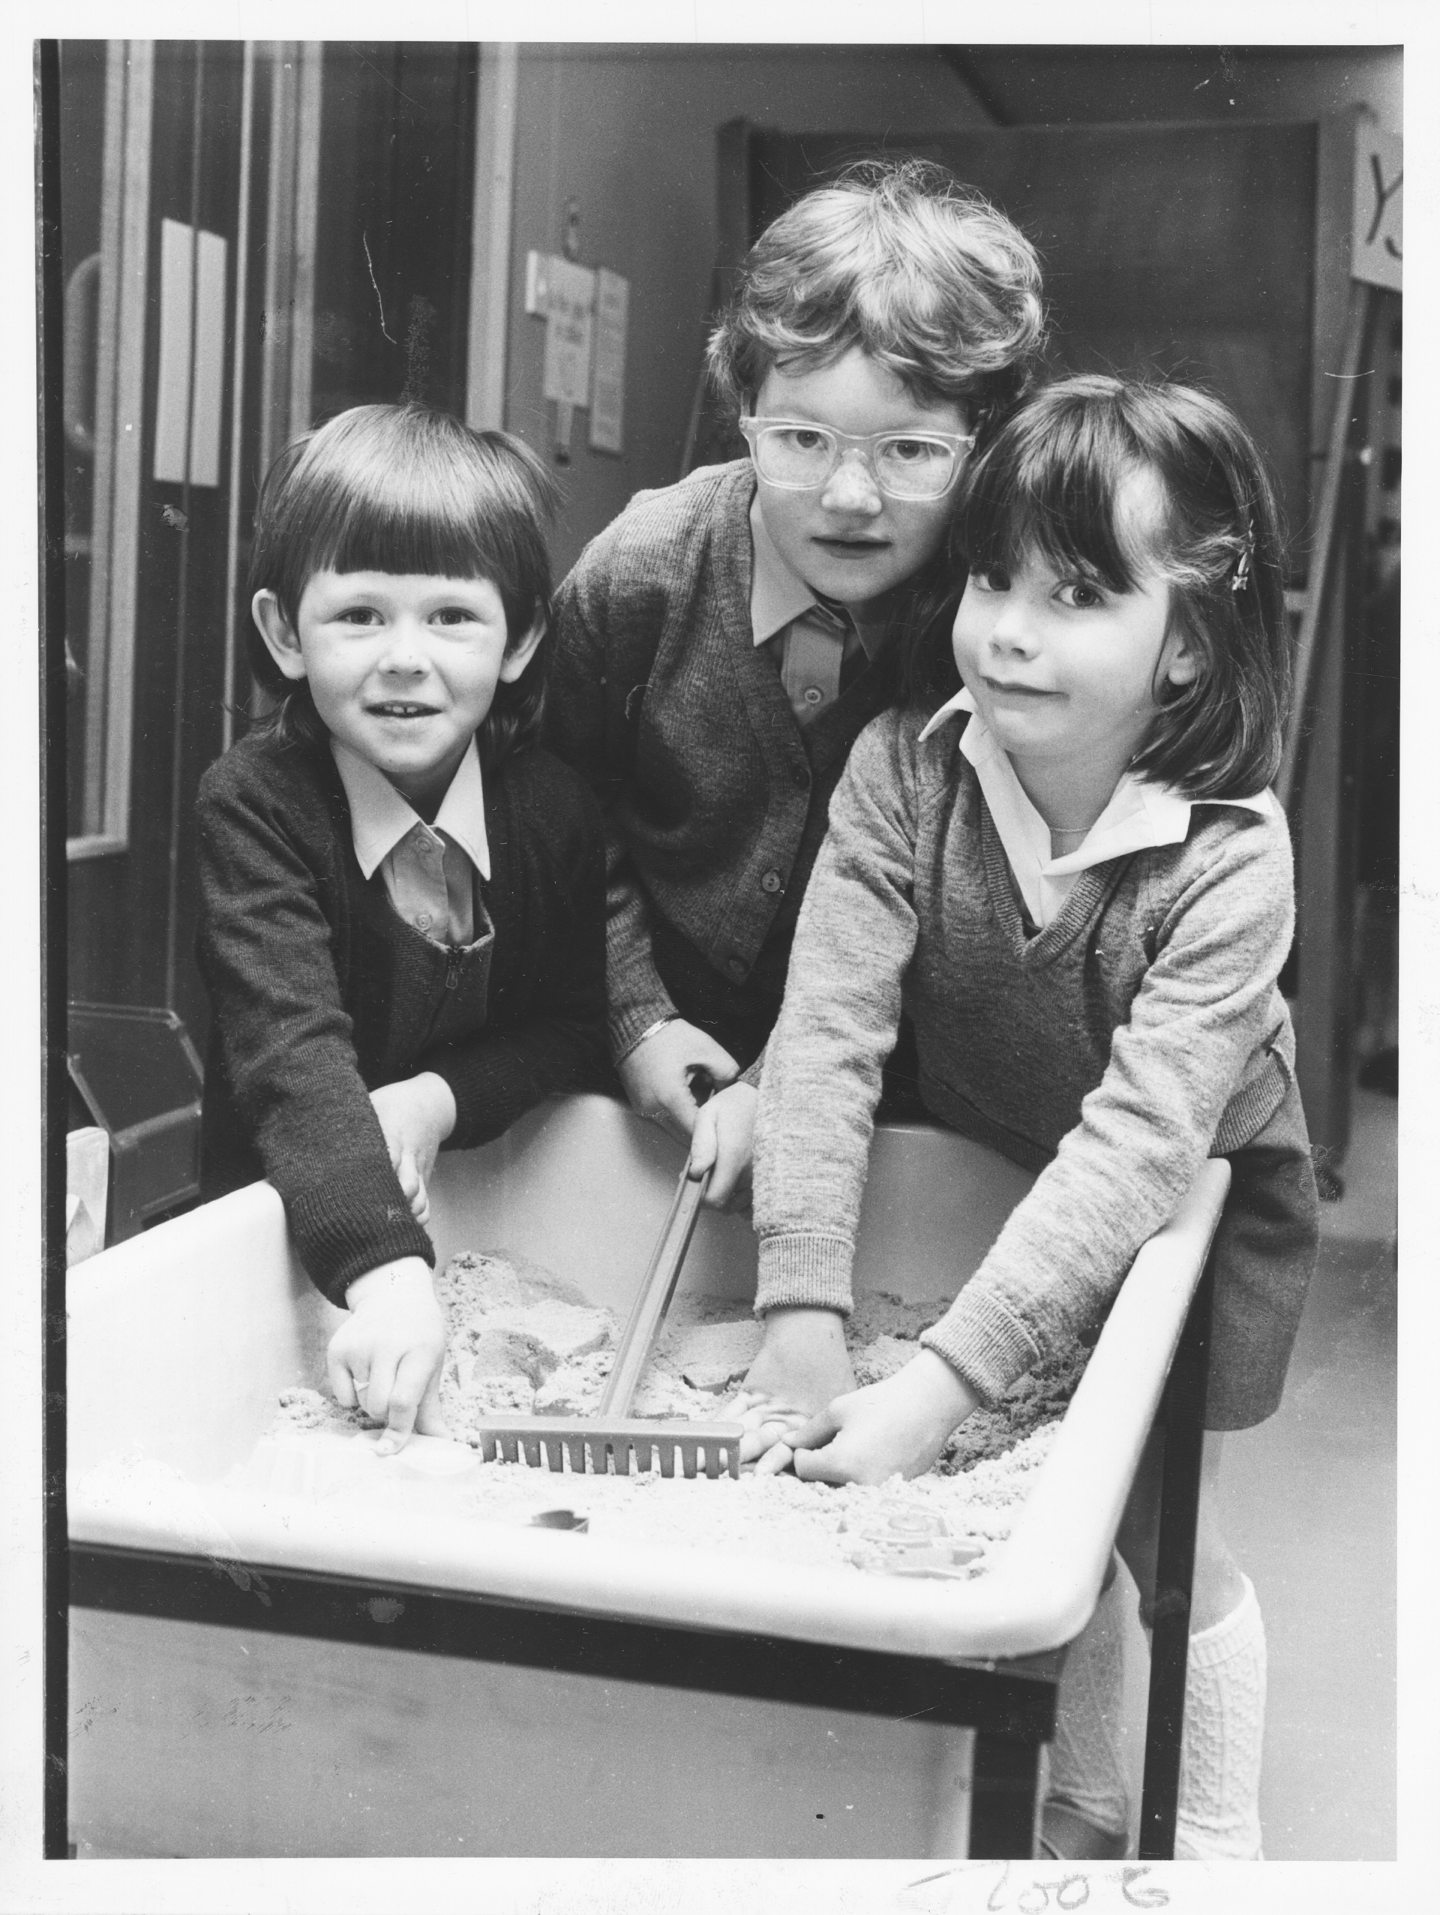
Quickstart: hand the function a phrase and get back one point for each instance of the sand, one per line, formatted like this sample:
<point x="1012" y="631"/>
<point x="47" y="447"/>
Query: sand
<point x="519" y="1338"/>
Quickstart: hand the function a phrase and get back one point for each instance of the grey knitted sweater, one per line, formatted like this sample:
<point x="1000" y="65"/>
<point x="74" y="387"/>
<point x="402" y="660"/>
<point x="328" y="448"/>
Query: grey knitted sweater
<point x="714" y="800"/>
<point x="1112" y="1051"/>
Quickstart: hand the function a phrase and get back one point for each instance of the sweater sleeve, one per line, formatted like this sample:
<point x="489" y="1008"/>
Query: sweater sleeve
<point x="1204" y="1016"/>
<point x="285" y="1039"/>
<point x="600" y="649"/>
<point x="555" y="1039"/>
<point x="822" y="1073"/>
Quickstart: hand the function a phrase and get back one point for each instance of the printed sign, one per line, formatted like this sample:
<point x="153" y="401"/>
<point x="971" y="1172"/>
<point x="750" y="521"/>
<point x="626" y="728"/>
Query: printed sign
<point x="569" y="330"/>
<point x="607" y="402"/>
<point x="1379" y="176"/>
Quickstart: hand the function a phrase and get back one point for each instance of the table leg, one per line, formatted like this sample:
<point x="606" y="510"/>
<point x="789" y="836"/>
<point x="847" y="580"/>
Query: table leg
<point x="1182" y="1424"/>
<point x="1004" y="1798"/>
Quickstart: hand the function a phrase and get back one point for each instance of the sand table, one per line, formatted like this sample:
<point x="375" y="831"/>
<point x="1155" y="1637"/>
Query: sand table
<point x="522" y="1339"/>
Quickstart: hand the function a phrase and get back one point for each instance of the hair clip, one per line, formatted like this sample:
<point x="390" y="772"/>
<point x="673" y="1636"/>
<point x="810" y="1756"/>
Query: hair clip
<point x="1247" y="551"/>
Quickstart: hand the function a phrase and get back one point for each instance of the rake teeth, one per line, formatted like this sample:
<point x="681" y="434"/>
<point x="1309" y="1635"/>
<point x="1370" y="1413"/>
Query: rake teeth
<point x="641" y="1444"/>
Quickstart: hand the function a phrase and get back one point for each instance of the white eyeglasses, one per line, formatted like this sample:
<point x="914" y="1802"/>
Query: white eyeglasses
<point x="905" y="465"/>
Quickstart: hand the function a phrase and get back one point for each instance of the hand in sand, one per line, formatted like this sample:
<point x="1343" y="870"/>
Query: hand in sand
<point x="802" y="1363"/>
<point x="385" y="1358"/>
<point x="897" y="1427"/>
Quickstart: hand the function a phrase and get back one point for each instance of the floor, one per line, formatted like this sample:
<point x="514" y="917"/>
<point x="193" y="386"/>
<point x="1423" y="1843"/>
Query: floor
<point x="1309" y="1502"/>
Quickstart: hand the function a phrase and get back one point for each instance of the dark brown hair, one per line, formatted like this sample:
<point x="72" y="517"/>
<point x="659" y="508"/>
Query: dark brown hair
<point x="406" y="489"/>
<point x="1049" y="482"/>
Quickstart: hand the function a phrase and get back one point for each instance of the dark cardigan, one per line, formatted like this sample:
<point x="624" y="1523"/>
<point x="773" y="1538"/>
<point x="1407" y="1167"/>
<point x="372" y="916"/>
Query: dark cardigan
<point x="321" y="992"/>
<point x="715" y="798"/>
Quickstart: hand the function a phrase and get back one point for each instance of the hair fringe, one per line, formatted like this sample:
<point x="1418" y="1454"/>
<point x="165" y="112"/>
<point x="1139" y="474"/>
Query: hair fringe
<point x="898" y="258"/>
<point x="407" y="489"/>
<point x="1050" y="479"/>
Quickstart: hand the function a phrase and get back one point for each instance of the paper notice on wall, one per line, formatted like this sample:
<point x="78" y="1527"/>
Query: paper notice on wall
<point x="607" y="400"/>
<point x="1377" y="250"/>
<point x="569" y="331"/>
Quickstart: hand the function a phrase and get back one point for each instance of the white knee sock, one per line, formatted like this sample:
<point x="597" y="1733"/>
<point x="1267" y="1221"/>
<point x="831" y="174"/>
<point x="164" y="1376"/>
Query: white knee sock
<point x="1087" y="1768"/>
<point x="1219" y="1813"/>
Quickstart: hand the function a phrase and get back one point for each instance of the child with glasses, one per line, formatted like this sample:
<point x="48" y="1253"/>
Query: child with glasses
<point x="723" y="643"/>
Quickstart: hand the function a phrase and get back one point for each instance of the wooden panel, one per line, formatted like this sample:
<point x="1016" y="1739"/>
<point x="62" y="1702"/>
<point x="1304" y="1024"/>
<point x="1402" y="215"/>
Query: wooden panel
<point x="191" y="1739"/>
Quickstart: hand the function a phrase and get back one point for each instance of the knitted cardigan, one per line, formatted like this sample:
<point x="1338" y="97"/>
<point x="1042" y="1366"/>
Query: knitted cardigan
<point x="715" y="799"/>
<point x="1113" y="1051"/>
<point x="321" y="992"/>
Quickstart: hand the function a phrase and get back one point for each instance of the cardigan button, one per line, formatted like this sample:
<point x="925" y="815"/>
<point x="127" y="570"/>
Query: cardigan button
<point x="772" y="881"/>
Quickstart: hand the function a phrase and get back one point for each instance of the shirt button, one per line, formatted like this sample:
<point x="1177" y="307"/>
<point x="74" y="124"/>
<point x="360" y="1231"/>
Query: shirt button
<point x="422" y="920"/>
<point x="737" y="967"/>
<point x="771" y="881"/>
<point x="812" y="695"/>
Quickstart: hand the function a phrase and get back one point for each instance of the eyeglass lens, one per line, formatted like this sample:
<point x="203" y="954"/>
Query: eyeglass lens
<point x="906" y="465"/>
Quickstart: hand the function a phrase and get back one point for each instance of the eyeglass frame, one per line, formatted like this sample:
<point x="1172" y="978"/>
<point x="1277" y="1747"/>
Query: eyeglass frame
<point x="760" y="422"/>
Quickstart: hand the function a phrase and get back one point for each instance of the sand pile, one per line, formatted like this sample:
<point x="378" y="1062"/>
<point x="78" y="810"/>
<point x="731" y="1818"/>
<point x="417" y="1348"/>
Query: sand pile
<point x="522" y="1339"/>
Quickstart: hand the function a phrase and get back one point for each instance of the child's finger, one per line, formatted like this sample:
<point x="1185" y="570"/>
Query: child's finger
<point x="713" y="1059"/>
<point x="819" y="1465"/>
<point x="344" y="1386"/>
<point x="375" y="1396"/>
<point x="815" y="1431"/>
<point x="755" y="1407"/>
<point x="765" y="1429"/>
<point x="430" y="1418"/>
<point x="774" y="1461"/>
<point x="703" y="1143"/>
<point x="732" y="1120"/>
<point x="403" y="1405"/>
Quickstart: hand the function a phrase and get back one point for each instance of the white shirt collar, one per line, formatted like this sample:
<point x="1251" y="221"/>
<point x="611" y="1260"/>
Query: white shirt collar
<point x="1141" y="814"/>
<point x="380" y="817"/>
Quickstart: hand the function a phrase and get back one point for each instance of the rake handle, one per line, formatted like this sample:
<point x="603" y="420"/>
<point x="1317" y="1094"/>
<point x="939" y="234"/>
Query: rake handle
<point x="653" y="1299"/>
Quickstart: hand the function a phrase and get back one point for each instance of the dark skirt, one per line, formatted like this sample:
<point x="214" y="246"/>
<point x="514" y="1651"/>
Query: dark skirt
<point x="1263" y="1256"/>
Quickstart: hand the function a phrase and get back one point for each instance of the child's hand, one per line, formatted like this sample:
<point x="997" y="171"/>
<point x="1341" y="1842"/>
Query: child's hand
<point x="416" y="1114"/>
<point x="801" y="1365"/>
<point x="724" y="1140"/>
<point x="658" y="1075"/>
<point x="895" y="1427"/>
<point x="385" y="1358"/>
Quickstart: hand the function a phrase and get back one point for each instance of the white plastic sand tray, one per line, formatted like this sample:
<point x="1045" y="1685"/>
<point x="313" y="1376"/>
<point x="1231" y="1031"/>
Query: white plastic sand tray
<point x="282" y="1644"/>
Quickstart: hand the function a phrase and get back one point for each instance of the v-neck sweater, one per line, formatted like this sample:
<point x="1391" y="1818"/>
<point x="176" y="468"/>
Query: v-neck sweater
<point x="321" y="992"/>
<point x="1141" y="1031"/>
<point x="715" y="799"/>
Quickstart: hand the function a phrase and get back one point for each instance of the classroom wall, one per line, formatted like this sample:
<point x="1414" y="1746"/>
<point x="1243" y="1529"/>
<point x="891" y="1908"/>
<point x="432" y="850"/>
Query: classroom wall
<point x="1332" y="80"/>
<point x="629" y="133"/>
<point x="1092" y="84"/>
